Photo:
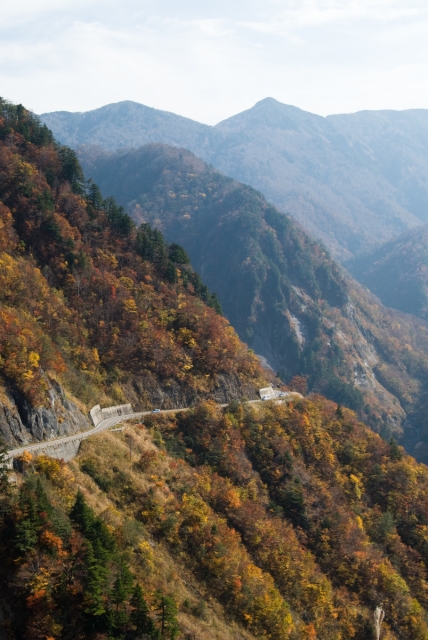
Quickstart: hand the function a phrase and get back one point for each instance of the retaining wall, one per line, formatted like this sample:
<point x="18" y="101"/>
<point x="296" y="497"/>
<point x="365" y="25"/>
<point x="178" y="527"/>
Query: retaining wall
<point x="98" y="415"/>
<point x="69" y="449"/>
<point x="60" y="450"/>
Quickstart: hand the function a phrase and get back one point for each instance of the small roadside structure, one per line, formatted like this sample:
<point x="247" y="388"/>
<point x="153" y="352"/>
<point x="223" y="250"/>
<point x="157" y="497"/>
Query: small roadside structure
<point x="267" y="393"/>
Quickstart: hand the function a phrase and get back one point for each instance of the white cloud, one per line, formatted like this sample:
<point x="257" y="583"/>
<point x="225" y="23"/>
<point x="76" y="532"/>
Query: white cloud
<point x="210" y="60"/>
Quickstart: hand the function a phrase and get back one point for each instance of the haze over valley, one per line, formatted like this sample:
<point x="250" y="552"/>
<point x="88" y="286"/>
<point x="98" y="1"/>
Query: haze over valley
<point x="353" y="181"/>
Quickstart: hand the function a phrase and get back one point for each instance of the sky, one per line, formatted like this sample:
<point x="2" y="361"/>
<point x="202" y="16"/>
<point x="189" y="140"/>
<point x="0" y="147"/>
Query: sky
<point x="208" y="60"/>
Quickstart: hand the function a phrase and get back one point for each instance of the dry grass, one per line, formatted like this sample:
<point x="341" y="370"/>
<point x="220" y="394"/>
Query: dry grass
<point x="152" y="562"/>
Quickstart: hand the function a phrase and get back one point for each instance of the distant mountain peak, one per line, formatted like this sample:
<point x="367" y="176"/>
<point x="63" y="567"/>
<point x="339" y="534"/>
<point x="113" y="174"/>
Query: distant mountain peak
<point x="352" y="180"/>
<point x="271" y="113"/>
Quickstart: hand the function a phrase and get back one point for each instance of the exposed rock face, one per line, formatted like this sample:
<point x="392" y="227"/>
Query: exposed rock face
<point x="12" y="431"/>
<point x="145" y="392"/>
<point x="21" y="424"/>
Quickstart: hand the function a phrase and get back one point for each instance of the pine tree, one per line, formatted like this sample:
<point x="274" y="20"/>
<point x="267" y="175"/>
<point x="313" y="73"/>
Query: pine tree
<point x="171" y="273"/>
<point x="82" y="515"/>
<point x="94" y="197"/>
<point x="118" y="618"/>
<point x="166" y="614"/>
<point x="43" y="504"/>
<point x="27" y="529"/>
<point x="95" y="583"/>
<point x="26" y="535"/>
<point x="140" y="616"/>
<point x="119" y="593"/>
<point x="71" y="169"/>
<point x="177" y="254"/>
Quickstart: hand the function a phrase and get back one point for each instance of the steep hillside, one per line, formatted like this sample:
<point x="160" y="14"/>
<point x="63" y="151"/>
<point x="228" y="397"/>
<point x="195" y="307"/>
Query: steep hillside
<point x="92" y="307"/>
<point x="397" y="272"/>
<point x="279" y="288"/>
<point x="354" y="180"/>
<point x="278" y="522"/>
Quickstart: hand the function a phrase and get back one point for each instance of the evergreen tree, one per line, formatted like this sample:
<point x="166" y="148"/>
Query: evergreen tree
<point x="26" y="532"/>
<point x="118" y="618"/>
<point x="121" y="223"/>
<point x="171" y="273"/>
<point x="95" y="583"/>
<point x="119" y="593"/>
<point x="93" y="196"/>
<point x="140" y="616"/>
<point x="145" y="245"/>
<point x="71" y="169"/>
<point x="177" y="254"/>
<point x="82" y="515"/>
<point x="100" y="535"/>
<point x="166" y="615"/>
<point x="214" y="303"/>
<point x="26" y="535"/>
<point x="43" y="504"/>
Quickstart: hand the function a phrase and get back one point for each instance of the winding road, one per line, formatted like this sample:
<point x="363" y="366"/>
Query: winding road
<point x="107" y="424"/>
<point x="82" y="435"/>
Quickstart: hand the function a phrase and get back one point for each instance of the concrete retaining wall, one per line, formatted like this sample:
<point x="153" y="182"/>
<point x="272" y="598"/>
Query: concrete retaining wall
<point x="98" y="415"/>
<point x="68" y="449"/>
<point x="267" y="392"/>
<point x="62" y="451"/>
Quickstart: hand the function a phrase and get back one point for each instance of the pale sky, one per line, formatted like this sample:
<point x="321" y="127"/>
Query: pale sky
<point x="209" y="60"/>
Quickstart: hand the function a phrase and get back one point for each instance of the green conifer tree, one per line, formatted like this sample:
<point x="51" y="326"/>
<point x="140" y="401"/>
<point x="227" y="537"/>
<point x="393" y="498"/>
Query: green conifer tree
<point x="166" y="615"/>
<point x="140" y="616"/>
<point x="43" y="504"/>
<point x="118" y="617"/>
<point x="82" y="515"/>
<point x="95" y="584"/>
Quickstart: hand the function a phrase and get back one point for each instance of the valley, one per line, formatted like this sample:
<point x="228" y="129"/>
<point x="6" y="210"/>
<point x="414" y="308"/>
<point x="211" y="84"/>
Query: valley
<point x="281" y="290"/>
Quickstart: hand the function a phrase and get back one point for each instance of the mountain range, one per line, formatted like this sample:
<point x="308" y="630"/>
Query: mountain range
<point x="354" y="180"/>
<point x="286" y="297"/>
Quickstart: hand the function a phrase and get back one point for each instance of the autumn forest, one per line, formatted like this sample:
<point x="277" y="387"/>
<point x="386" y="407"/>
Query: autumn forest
<point x="236" y="519"/>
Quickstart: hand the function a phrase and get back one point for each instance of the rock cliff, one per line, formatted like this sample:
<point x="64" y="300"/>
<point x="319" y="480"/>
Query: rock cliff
<point x="21" y="424"/>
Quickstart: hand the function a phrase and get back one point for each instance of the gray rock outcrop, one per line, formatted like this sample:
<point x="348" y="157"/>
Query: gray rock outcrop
<point x="145" y="392"/>
<point x="22" y="424"/>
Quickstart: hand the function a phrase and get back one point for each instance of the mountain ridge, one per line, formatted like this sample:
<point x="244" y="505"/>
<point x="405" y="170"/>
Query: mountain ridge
<point x="352" y="191"/>
<point x="279" y="288"/>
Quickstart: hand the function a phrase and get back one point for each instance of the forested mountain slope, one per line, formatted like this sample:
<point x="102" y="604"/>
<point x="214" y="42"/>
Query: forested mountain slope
<point x="353" y="180"/>
<point x="397" y="272"/>
<point x="92" y="307"/>
<point x="125" y="125"/>
<point x="278" y="522"/>
<point x="279" y="288"/>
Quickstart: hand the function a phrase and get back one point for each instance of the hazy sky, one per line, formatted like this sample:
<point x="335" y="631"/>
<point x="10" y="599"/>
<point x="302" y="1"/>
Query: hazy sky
<point x="208" y="60"/>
